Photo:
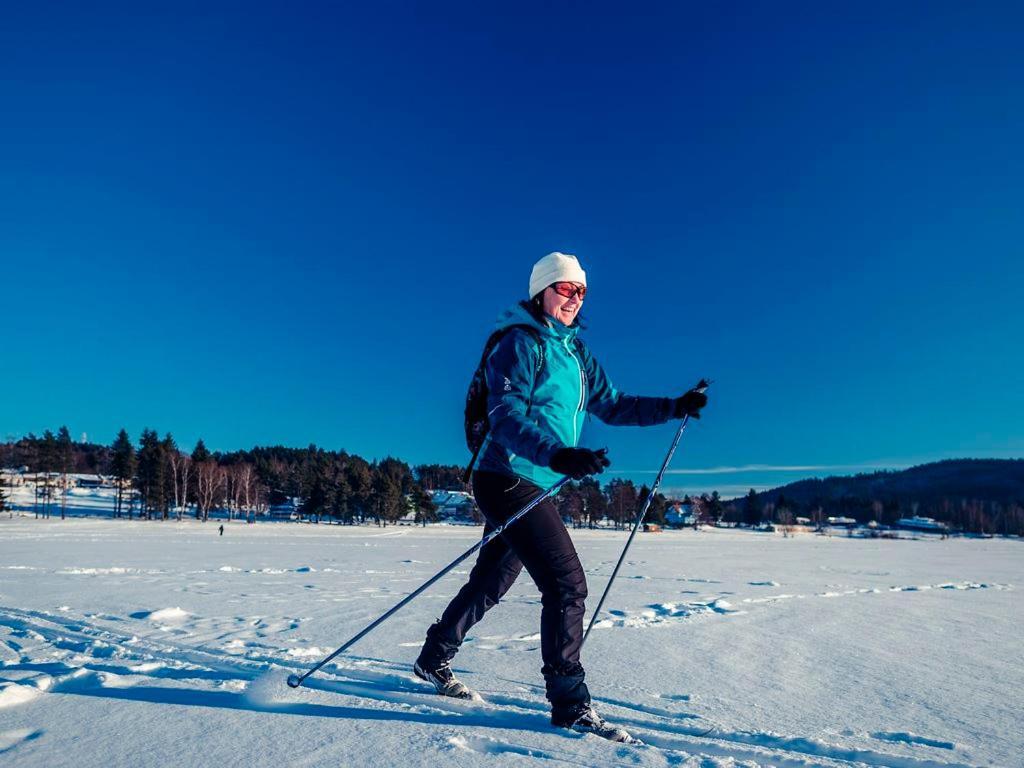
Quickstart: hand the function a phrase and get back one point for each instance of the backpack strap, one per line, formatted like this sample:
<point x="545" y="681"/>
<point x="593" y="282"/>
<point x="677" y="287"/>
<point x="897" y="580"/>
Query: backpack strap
<point x="502" y="332"/>
<point x="540" y="347"/>
<point x="492" y="342"/>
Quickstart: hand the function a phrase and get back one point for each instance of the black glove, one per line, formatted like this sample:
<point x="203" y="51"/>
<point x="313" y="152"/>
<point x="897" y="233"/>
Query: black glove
<point x="689" y="404"/>
<point x="579" y="462"/>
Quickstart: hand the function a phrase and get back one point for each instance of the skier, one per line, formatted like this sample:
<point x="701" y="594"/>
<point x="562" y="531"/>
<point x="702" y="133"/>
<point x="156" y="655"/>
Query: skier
<point x="541" y="382"/>
<point x="221" y="530"/>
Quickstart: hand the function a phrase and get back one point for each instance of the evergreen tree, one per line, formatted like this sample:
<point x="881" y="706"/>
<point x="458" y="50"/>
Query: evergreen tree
<point x="440" y="477"/>
<point x="359" y="476"/>
<point x="751" y="509"/>
<point x="199" y="453"/>
<point x="123" y="468"/>
<point x="392" y="480"/>
<point x="426" y="509"/>
<point x="341" y="493"/>
<point x="655" y="513"/>
<point x="595" y="503"/>
<point x="312" y="488"/>
<point x="399" y="472"/>
<point x="314" y="501"/>
<point x="150" y="473"/>
<point x="715" y="508"/>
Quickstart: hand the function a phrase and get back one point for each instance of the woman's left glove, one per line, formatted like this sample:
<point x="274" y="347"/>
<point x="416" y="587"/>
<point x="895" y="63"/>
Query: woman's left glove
<point x="689" y="404"/>
<point x="577" y="463"/>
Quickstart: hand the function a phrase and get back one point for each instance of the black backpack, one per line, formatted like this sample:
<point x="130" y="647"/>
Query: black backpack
<point x="476" y="422"/>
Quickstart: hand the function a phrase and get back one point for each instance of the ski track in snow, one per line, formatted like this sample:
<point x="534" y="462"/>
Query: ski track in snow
<point x="671" y="612"/>
<point x="150" y="656"/>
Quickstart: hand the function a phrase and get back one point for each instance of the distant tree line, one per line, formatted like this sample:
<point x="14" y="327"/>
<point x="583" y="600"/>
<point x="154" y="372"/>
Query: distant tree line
<point x="155" y="479"/>
<point x="53" y="455"/>
<point x="586" y="503"/>
<point x="984" y="496"/>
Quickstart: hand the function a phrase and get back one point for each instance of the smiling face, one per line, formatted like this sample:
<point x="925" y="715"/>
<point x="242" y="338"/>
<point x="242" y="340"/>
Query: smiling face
<point x="561" y="307"/>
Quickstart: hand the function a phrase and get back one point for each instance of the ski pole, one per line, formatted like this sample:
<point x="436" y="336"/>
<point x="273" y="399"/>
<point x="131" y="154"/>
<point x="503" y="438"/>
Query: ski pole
<point x="294" y="681"/>
<point x="702" y="385"/>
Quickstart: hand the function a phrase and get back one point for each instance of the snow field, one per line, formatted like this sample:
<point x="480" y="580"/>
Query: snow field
<point x="156" y="643"/>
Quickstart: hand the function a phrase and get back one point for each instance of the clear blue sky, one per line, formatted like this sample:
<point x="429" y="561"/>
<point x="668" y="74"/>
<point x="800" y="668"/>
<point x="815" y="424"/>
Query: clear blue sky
<point x="286" y="224"/>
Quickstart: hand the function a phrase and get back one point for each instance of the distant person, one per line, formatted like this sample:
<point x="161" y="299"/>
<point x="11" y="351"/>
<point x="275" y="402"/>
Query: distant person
<point x="221" y="529"/>
<point x="541" y="381"/>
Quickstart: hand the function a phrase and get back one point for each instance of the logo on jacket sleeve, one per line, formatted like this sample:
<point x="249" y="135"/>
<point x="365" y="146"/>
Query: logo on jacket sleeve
<point x="508" y="385"/>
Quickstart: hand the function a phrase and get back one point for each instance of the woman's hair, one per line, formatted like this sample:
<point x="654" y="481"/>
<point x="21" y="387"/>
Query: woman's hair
<point x="535" y="307"/>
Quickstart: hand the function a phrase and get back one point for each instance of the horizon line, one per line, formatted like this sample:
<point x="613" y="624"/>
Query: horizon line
<point x="730" y="470"/>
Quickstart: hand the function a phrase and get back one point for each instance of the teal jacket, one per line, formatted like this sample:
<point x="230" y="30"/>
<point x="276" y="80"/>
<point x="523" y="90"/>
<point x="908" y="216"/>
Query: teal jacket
<point x="533" y="415"/>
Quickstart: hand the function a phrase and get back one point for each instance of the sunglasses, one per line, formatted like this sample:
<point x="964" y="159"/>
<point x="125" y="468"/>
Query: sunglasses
<point x="569" y="290"/>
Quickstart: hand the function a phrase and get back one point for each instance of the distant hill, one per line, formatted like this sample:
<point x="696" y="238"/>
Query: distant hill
<point x="985" y="495"/>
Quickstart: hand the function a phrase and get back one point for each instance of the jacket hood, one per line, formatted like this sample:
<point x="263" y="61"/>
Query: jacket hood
<point x="517" y="314"/>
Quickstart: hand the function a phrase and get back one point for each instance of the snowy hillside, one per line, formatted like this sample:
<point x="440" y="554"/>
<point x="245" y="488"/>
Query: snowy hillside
<point x="154" y="644"/>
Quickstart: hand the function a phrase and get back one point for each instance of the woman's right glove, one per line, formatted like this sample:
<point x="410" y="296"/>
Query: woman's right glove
<point x="577" y="463"/>
<point x="689" y="404"/>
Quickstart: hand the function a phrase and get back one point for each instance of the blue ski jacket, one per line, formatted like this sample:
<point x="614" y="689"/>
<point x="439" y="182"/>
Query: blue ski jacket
<point x="533" y="414"/>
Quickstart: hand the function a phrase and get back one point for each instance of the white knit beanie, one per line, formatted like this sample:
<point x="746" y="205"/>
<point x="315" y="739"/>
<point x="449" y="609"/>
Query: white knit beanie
<point x="556" y="268"/>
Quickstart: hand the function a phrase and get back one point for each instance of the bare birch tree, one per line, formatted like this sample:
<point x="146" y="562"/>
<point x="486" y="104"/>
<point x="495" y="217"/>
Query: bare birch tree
<point x="237" y="481"/>
<point x="251" y="491"/>
<point x="210" y="480"/>
<point x="181" y="469"/>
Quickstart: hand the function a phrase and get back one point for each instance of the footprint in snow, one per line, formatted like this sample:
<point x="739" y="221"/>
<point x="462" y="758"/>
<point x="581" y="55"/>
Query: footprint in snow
<point x="902" y="737"/>
<point x="10" y="740"/>
<point x="488" y="746"/>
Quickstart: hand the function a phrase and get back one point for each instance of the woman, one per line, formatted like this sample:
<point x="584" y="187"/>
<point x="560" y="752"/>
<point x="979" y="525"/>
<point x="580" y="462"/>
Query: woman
<point x="536" y="410"/>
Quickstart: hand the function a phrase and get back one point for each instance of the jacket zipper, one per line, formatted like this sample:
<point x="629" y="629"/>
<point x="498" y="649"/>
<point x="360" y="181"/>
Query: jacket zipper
<point x="579" y="405"/>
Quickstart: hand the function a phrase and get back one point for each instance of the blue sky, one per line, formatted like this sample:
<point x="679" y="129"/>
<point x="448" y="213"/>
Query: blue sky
<point x="263" y="224"/>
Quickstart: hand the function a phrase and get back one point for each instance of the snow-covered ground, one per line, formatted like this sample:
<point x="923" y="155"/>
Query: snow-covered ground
<point x="155" y="644"/>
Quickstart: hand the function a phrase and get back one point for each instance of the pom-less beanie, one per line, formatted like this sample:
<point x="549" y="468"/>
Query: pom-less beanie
<point x="555" y="268"/>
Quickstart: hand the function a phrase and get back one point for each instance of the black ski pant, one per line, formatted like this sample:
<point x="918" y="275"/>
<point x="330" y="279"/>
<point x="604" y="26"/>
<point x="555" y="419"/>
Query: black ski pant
<point x="540" y="542"/>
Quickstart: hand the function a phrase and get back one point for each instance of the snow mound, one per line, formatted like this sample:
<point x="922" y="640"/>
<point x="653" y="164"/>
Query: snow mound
<point x="314" y="651"/>
<point x="267" y="690"/>
<point x="164" y="614"/>
<point x="723" y="606"/>
<point x="12" y="694"/>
